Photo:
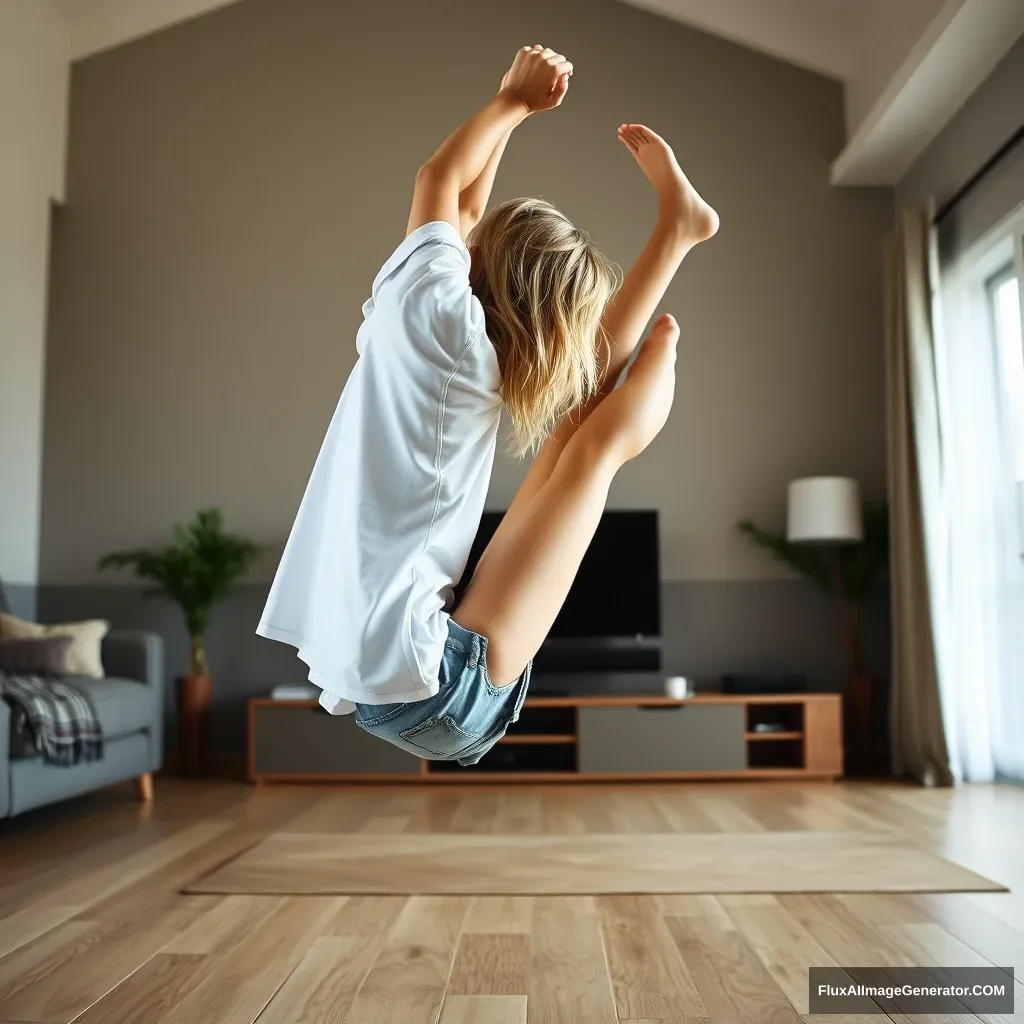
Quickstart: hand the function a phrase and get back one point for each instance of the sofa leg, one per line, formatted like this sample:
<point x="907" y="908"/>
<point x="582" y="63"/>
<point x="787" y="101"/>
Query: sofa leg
<point x="144" y="787"/>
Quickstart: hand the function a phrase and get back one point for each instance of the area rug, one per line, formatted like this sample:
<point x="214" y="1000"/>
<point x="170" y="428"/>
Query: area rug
<point x="513" y="865"/>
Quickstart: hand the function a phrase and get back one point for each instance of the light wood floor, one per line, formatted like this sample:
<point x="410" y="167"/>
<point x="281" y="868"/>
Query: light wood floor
<point x="93" y="929"/>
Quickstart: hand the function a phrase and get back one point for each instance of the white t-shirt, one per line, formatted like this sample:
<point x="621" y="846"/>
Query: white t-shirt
<point x="394" y="501"/>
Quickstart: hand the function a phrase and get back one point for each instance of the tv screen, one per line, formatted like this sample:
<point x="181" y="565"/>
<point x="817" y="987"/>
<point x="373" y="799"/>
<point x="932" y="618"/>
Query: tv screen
<point x="616" y="592"/>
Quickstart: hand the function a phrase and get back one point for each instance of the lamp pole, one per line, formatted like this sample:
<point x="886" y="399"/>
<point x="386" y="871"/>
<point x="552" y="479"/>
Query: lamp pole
<point x="826" y="511"/>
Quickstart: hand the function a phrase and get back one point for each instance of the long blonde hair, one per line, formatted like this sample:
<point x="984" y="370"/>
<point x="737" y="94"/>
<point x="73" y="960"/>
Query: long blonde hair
<point x="543" y="286"/>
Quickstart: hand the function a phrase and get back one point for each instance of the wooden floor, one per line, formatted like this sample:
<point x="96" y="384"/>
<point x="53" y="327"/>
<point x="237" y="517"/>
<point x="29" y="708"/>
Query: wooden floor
<point x="93" y="928"/>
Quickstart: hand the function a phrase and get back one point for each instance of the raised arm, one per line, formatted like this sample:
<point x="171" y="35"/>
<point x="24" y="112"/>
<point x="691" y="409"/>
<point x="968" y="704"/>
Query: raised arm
<point x="473" y="199"/>
<point x="537" y="80"/>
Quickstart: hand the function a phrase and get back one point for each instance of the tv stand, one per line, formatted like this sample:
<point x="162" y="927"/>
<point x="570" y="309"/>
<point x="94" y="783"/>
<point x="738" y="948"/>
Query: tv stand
<point x="599" y="738"/>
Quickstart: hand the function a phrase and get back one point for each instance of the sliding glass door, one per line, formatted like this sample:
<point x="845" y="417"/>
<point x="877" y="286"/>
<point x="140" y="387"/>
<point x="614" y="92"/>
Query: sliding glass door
<point x="980" y="365"/>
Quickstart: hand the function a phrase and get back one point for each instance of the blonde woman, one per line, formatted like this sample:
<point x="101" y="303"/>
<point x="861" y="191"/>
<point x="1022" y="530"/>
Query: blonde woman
<point x="527" y="317"/>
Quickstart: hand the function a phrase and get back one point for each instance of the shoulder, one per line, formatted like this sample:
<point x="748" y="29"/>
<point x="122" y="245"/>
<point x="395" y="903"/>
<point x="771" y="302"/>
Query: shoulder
<point x="435" y="248"/>
<point x="426" y="283"/>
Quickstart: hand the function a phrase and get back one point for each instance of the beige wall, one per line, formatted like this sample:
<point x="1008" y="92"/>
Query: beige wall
<point x="33" y="108"/>
<point x="236" y="181"/>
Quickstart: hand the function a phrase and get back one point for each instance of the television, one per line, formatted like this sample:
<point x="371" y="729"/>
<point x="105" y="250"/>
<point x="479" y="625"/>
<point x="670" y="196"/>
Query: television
<point x="611" y="619"/>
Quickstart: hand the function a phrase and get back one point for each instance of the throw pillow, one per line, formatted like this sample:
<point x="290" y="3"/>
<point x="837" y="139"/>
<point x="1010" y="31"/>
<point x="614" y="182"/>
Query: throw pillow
<point x="83" y="656"/>
<point x="45" y="656"/>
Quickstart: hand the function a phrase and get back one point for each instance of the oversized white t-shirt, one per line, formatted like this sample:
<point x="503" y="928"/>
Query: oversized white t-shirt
<point x="394" y="501"/>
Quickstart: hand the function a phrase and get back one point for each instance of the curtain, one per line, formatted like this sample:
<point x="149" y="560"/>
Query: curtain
<point x="917" y="525"/>
<point x="983" y="671"/>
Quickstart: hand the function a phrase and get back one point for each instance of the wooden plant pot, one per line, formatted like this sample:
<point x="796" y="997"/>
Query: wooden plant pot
<point x="194" y="693"/>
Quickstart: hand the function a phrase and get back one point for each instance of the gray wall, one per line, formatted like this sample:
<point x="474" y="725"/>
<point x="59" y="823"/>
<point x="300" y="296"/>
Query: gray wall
<point x="33" y="111"/>
<point x="236" y="181"/>
<point x="992" y="114"/>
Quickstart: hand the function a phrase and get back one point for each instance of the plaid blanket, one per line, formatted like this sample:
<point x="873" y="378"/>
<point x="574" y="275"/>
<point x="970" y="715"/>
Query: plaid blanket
<point x="61" y="719"/>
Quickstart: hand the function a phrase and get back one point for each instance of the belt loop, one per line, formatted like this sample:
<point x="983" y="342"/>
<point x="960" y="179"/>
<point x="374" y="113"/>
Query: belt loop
<point x="474" y="652"/>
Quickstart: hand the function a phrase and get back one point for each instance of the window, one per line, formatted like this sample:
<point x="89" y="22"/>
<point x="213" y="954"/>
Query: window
<point x="1004" y="300"/>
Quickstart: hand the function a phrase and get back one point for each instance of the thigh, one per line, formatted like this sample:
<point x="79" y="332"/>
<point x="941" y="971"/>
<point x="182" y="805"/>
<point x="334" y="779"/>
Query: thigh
<point x="525" y="574"/>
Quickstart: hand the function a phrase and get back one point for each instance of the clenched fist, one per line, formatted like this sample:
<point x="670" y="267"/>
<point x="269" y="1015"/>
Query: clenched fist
<point x="539" y="77"/>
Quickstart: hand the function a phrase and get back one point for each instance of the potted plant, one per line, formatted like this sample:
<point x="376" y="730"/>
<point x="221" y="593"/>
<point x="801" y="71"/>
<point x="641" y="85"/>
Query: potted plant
<point x="849" y="574"/>
<point x="197" y="571"/>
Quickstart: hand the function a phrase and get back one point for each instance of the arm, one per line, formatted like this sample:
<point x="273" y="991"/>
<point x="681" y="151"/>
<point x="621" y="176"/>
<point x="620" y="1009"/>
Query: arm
<point x="460" y="160"/>
<point x="537" y="80"/>
<point x="473" y="199"/>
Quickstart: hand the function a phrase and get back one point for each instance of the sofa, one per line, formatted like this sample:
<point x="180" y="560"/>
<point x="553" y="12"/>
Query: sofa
<point x="129" y="702"/>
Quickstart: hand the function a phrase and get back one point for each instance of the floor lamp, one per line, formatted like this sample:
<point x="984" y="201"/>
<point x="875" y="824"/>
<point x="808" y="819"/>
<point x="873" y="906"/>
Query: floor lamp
<point x="826" y="511"/>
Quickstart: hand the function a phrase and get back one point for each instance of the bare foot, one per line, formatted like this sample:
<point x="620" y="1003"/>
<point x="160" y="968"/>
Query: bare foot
<point x="678" y="198"/>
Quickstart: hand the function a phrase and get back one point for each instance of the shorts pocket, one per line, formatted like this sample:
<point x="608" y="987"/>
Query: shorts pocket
<point x="440" y="736"/>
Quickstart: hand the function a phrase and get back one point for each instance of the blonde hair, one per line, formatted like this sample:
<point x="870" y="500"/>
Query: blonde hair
<point x="543" y="286"/>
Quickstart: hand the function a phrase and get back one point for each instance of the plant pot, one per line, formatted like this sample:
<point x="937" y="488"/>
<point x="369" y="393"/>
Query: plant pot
<point x="194" y="694"/>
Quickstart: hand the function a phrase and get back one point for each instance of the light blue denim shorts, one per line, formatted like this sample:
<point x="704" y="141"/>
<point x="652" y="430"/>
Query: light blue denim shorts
<point x="464" y="719"/>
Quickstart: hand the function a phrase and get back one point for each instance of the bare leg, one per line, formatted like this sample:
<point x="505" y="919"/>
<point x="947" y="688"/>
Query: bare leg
<point x="525" y="574"/>
<point x="684" y="221"/>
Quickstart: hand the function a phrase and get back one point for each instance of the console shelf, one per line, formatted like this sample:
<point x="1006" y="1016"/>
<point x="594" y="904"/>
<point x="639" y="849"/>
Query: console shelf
<point x="613" y="737"/>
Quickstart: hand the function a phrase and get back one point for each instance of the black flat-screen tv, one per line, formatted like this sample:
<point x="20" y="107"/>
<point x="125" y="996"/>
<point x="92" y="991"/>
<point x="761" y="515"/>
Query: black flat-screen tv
<point x="611" y="618"/>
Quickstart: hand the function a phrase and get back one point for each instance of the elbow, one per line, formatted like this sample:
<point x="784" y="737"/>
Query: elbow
<point x="470" y="214"/>
<point x="431" y="173"/>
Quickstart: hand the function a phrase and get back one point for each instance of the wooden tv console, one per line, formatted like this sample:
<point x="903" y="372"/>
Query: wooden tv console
<point x="567" y="739"/>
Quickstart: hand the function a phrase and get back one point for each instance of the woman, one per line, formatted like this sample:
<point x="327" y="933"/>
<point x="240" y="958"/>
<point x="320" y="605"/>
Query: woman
<point x="524" y="318"/>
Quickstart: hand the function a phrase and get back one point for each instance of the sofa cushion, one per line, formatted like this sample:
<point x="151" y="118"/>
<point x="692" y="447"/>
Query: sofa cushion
<point x="36" y="656"/>
<point x="122" y="706"/>
<point x="83" y="657"/>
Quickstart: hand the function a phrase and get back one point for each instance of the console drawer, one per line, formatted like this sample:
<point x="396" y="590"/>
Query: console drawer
<point x="301" y="740"/>
<point x="662" y="738"/>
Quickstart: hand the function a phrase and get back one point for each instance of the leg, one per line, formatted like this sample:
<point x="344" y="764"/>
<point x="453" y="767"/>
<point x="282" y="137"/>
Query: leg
<point x="144" y="787"/>
<point x="684" y="221"/>
<point x="525" y="574"/>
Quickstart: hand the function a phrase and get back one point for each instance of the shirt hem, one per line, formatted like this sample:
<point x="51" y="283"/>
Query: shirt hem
<point x="340" y="692"/>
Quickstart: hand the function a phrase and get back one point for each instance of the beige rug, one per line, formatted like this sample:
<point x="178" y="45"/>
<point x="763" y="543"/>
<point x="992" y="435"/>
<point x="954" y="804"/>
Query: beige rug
<point x="716" y="862"/>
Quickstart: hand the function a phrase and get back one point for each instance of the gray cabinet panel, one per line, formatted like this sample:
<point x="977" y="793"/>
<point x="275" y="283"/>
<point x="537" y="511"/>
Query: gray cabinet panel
<point x="682" y="738"/>
<point x="308" y="741"/>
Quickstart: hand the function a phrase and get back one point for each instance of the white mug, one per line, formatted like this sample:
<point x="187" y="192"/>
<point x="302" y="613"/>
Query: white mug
<point x="678" y="687"/>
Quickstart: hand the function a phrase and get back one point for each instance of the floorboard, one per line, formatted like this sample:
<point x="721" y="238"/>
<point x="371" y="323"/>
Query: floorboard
<point x="94" y="928"/>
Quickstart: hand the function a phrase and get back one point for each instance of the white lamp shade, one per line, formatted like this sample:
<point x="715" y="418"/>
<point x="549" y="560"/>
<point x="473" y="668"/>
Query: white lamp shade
<point x="824" y="510"/>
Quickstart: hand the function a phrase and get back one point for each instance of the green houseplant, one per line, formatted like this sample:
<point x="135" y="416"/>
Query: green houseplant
<point x="849" y="574"/>
<point x="196" y="571"/>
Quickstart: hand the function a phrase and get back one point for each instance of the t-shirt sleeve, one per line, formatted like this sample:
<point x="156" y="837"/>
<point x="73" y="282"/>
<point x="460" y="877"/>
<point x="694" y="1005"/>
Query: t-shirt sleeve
<point x="425" y="282"/>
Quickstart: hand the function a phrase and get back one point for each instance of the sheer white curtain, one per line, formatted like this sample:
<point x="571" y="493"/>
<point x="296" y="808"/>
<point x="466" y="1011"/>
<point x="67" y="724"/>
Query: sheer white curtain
<point x="980" y="645"/>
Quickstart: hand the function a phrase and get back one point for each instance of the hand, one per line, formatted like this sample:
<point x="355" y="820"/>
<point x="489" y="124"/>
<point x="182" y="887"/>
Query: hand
<point x="539" y="77"/>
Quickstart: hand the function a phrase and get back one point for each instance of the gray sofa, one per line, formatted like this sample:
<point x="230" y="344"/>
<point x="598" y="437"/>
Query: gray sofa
<point x="129" y="701"/>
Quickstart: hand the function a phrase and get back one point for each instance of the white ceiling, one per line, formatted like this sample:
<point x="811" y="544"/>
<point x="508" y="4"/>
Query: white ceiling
<point x="832" y="37"/>
<point x="895" y="58"/>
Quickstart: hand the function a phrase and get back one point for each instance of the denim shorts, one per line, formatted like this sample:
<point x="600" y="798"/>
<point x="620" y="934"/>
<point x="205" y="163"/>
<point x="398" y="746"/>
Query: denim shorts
<point x="464" y="719"/>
